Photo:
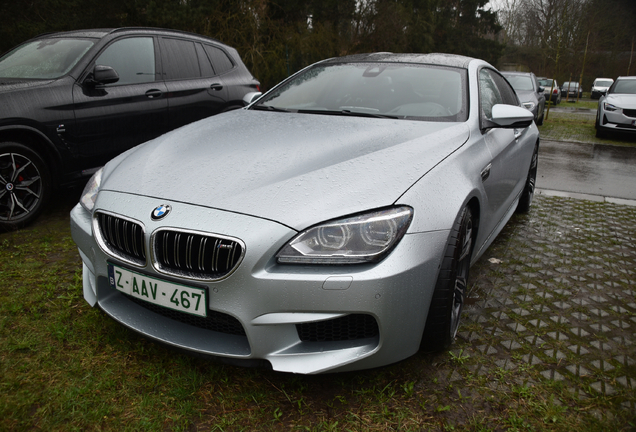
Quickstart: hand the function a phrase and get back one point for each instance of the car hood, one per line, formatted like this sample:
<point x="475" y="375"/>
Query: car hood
<point x="527" y="96"/>
<point x="11" y="84"/>
<point x="622" y="100"/>
<point x="296" y="169"/>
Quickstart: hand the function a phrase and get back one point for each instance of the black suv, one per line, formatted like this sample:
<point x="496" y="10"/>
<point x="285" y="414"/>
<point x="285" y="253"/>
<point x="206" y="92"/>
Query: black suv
<point x="71" y="101"/>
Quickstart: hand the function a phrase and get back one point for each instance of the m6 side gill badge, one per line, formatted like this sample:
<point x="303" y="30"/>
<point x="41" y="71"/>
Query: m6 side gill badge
<point x="160" y="212"/>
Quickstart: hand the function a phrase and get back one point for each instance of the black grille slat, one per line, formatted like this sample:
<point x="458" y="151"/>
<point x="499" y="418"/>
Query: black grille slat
<point x="346" y="328"/>
<point x="629" y="112"/>
<point x="122" y="237"/>
<point x="215" y="321"/>
<point x="196" y="255"/>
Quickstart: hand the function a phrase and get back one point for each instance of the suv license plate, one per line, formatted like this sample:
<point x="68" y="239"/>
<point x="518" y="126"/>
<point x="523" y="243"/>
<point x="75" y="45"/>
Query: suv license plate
<point x="163" y="293"/>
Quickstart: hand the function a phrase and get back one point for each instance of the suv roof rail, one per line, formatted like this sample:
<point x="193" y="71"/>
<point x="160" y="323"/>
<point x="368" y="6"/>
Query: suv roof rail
<point x="122" y="29"/>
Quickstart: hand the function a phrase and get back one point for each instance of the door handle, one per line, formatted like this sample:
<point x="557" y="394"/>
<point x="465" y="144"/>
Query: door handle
<point x="152" y="94"/>
<point x="485" y="173"/>
<point x="216" y="87"/>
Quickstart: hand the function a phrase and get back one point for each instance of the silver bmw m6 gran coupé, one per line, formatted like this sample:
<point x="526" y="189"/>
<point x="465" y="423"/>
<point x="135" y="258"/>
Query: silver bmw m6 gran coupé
<point x="328" y="226"/>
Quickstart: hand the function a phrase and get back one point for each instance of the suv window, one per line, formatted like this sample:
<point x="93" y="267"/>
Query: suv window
<point x="180" y="60"/>
<point x="219" y="59"/>
<point x="132" y="58"/>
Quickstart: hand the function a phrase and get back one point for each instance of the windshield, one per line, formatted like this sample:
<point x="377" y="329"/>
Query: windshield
<point x="520" y="82"/>
<point x="44" y="59"/>
<point x="625" y="87"/>
<point x="545" y="82"/>
<point x="570" y="85"/>
<point x="603" y="83"/>
<point x="394" y="90"/>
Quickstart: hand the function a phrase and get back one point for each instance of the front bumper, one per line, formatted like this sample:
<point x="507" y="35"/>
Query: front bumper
<point x="271" y="301"/>
<point x="618" y="120"/>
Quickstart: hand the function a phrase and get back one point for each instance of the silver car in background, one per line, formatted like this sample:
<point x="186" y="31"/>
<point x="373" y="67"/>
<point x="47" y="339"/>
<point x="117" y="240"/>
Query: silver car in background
<point x="551" y="90"/>
<point x="530" y="93"/>
<point x="617" y="109"/>
<point x="329" y="226"/>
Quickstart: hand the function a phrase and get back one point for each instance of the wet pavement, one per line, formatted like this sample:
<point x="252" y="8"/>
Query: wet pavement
<point x="554" y="301"/>
<point x="593" y="169"/>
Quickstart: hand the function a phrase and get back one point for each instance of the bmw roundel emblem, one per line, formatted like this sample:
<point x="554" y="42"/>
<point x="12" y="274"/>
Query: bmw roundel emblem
<point x="160" y="212"/>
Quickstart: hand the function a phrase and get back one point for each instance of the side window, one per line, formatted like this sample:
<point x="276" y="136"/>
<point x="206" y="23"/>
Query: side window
<point x="204" y="62"/>
<point x="180" y="59"/>
<point x="132" y="58"/>
<point x="220" y="61"/>
<point x="508" y="95"/>
<point x="488" y="93"/>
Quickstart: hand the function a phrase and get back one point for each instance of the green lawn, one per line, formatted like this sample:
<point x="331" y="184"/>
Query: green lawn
<point x="575" y="122"/>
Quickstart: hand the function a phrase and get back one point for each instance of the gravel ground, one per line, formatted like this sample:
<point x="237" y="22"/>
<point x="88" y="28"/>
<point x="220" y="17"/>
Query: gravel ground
<point x="554" y="300"/>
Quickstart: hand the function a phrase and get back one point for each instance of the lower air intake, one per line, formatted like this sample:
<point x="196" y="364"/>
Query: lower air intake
<point x="346" y="328"/>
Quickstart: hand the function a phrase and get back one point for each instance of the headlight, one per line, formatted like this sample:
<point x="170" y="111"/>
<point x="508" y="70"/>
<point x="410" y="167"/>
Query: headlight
<point x="89" y="195"/>
<point x="528" y="105"/>
<point x="610" y="107"/>
<point x="353" y="240"/>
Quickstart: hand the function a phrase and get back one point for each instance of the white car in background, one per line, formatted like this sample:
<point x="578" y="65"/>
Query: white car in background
<point x="600" y="87"/>
<point x="617" y="109"/>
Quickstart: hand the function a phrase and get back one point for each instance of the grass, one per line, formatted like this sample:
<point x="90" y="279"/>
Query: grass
<point x="571" y="122"/>
<point x="67" y="367"/>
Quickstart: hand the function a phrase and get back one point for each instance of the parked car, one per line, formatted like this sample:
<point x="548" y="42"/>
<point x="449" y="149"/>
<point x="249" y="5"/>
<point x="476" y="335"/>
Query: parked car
<point x="551" y="89"/>
<point x="530" y="93"/>
<point x="570" y="90"/>
<point x="617" y="109"/>
<point x="600" y="87"/>
<point x="328" y="226"/>
<point x="69" y="102"/>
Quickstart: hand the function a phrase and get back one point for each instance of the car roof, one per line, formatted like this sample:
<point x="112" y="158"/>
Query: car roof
<point x="452" y="60"/>
<point x="102" y="32"/>
<point x="512" y="73"/>
<point x="626" y="78"/>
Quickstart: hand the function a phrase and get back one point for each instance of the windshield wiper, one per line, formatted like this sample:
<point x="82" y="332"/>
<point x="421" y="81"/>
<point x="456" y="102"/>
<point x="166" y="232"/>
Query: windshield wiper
<point x="271" y="108"/>
<point x="346" y="112"/>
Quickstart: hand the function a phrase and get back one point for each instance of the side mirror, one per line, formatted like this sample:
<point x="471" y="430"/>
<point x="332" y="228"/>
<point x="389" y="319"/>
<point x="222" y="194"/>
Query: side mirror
<point x="541" y="89"/>
<point x="102" y="75"/>
<point x="510" y="116"/>
<point x="251" y="97"/>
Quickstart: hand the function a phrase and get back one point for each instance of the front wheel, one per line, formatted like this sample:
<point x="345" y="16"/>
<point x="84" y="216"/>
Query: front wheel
<point x="25" y="185"/>
<point x="448" y="298"/>
<point x="525" y="200"/>
<point x="540" y="119"/>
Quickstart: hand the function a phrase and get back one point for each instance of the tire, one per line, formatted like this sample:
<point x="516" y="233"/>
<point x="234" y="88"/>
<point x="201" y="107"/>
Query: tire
<point x="25" y="185"/>
<point x="600" y="133"/>
<point x="540" y="119"/>
<point x="447" y="303"/>
<point x="525" y="200"/>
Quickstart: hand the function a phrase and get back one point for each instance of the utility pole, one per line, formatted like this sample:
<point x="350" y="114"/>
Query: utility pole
<point x="583" y="67"/>
<point x="630" y="57"/>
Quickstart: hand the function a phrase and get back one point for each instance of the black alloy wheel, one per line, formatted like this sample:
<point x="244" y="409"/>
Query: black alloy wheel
<point x="24" y="185"/>
<point x="525" y="200"/>
<point x="450" y="290"/>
